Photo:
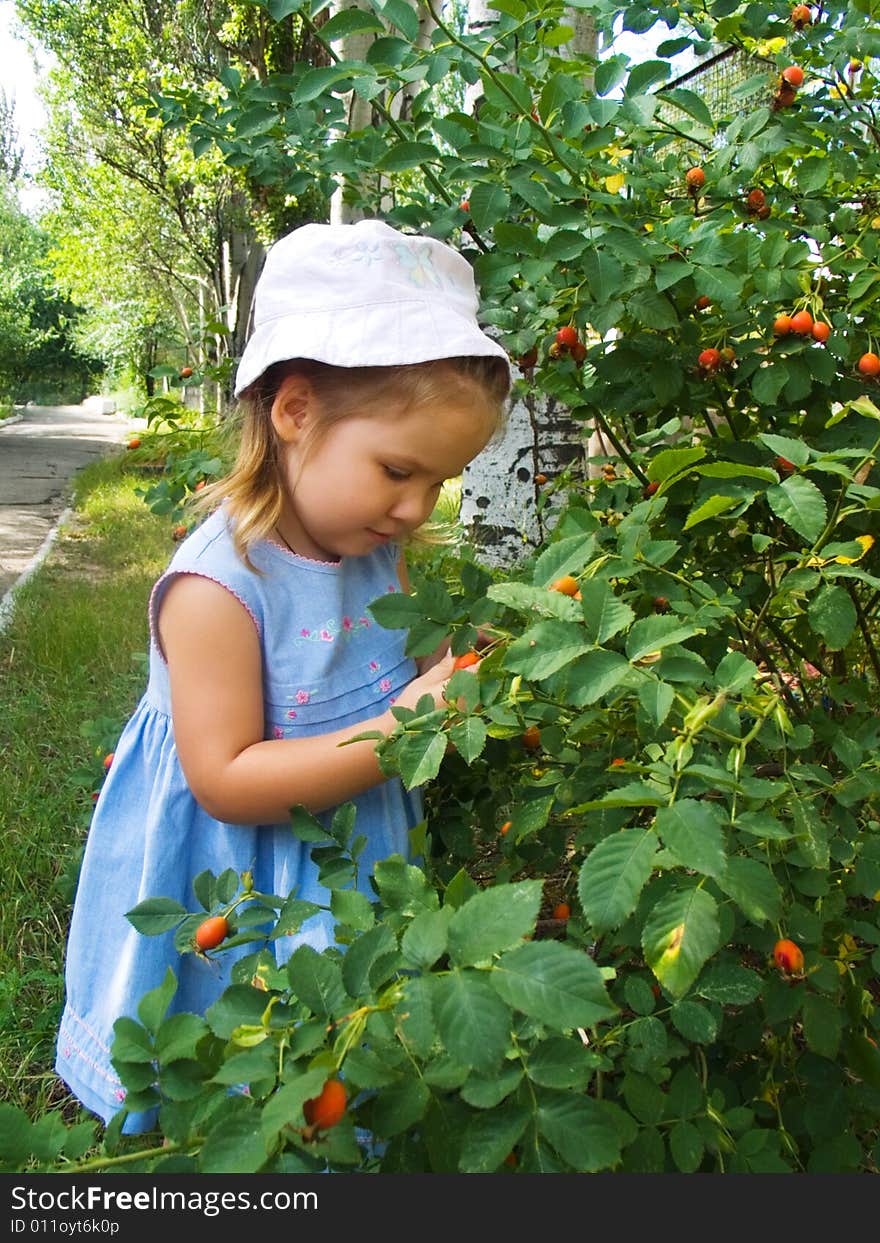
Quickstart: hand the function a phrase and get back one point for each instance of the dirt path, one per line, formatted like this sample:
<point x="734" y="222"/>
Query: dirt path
<point x="40" y="452"/>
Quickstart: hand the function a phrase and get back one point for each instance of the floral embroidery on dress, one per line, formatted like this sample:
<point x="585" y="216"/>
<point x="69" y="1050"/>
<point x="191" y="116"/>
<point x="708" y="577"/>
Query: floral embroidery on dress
<point x="331" y="631"/>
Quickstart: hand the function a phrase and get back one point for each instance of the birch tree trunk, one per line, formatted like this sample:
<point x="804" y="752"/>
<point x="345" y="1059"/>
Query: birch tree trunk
<point x="502" y="487"/>
<point x="359" y="111"/>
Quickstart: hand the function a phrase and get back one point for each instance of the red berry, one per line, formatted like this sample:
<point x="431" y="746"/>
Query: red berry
<point x="135" y="442"/>
<point x="527" y="360"/>
<point x="531" y="739"/>
<point x="505" y="828"/>
<point x="755" y="200"/>
<point x="328" y="1109"/>
<point x="783" y="465"/>
<point x="793" y="75"/>
<point x="108" y="759"/>
<point x="466" y="660"/>
<point x="661" y="604"/>
<point x="211" y="932"/>
<point x="802" y="323"/>
<point x="801" y="15"/>
<point x="710" y="360"/>
<point x="566" y="585"/>
<point x="782" y="325"/>
<point x="567" y="336"/>
<point x="540" y="479"/>
<point x="185" y="372"/>
<point x="650" y="488"/>
<point x="788" y="957"/>
<point x="820" y="330"/>
<point x="702" y="302"/>
<point x="562" y="911"/>
<point x="695" y="178"/>
<point x="465" y="204"/>
<point x="869" y="364"/>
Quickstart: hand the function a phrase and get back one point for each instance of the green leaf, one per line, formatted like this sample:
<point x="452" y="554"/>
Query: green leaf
<point x="362" y="956"/>
<point x="156" y="915"/>
<point x="754" y="889"/>
<point x="399" y="1107"/>
<point x="800" y="504"/>
<point x="735" y="671"/>
<point x="153" y="1006"/>
<point x="316" y="82"/>
<point x="811" y="833"/>
<point x="695" y="1022"/>
<point x="730" y="984"/>
<point x="671" y="462"/>
<point x="608" y="74"/>
<point x="832" y="616"/>
<point x="492" y="921"/>
<point x="469" y="738"/>
<point x="415" y="1015"/>
<point x="178" y="1037"/>
<point x="605" y="615"/>
<point x="353" y="909"/>
<point x="794" y="451"/>
<point x="656" y="699"/>
<point x="404" y="155"/>
<point x="560" y="1062"/>
<point x="490" y="1137"/>
<point x="692" y="830"/>
<point x="565" y="556"/>
<point x="402" y="16"/>
<point x="545" y="648"/>
<point x="404" y="887"/>
<point x="396" y="611"/>
<point x="306" y="827"/>
<point x="426" y="939"/>
<point x="686" y="1146"/>
<point x="472" y="1020"/>
<point x="645" y="75"/>
<point x="234" y="1146"/>
<point x="249" y="1066"/>
<point x="651" y="634"/>
<point x="710" y="508"/>
<point x="594" y="675"/>
<point x="614" y="874"/>
<point x="317" y="982"/>
<point x="419" y="757"/>
<point x="15" y="1136"/>
<point x="812" y="173"/>
<point x="580" y="1130"/>
<point x="131" y="1042"/>
<point x="349" y="22"/>
<point x="823" y="1025"/>
<point x="680" y="934"/>
<point x="555" y="983"/>
<point x="489" y="203"/>
<point x="692" y="104"/>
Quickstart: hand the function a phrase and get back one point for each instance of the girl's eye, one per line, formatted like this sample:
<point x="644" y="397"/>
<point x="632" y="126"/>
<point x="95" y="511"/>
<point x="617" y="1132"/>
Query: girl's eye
<point x="397" y="475"/>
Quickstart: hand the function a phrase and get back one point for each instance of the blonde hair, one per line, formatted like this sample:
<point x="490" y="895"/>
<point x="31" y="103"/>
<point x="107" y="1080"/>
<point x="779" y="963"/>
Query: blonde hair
<point x="253" y="491"/>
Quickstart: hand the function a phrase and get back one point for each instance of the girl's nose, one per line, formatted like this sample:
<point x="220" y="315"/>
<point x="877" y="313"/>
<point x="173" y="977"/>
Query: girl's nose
<point x="413" y="506"/>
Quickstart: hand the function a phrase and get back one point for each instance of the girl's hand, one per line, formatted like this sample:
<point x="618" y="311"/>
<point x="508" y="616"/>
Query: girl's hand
<point x="432" y="682"/>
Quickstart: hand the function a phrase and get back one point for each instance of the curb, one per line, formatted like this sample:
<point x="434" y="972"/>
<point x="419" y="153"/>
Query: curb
<point x="7" y="603"/>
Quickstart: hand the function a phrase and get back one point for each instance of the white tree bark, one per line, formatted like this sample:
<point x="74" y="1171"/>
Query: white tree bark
<point x="359" y="110"/>
<point x="499" y="507"/>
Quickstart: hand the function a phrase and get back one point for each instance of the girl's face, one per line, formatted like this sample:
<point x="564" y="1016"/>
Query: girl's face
<point x="371" y="479"/>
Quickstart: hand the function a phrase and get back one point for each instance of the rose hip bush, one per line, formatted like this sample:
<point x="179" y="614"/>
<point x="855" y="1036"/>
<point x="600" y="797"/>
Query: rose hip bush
<point x="681" y="746"/>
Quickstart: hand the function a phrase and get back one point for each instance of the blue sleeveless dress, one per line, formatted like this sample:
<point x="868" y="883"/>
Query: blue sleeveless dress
<point x="326" y="664"/>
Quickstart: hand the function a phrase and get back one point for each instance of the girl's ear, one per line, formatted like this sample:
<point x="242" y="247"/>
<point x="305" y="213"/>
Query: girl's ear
<point x="292" y="408"/>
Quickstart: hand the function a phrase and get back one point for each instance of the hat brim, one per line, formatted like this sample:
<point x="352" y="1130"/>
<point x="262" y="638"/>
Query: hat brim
<point x="384" y="335"/>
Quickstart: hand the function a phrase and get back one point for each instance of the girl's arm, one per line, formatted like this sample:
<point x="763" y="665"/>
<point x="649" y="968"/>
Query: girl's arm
<point x="215" y="668"/>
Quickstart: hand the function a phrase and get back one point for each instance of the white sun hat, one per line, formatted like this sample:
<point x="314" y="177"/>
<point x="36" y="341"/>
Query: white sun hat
<point x="363" y="295"/>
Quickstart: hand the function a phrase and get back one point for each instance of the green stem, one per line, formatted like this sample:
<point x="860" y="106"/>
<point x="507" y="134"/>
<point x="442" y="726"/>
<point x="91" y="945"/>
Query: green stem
<point x="131" y="1158"/>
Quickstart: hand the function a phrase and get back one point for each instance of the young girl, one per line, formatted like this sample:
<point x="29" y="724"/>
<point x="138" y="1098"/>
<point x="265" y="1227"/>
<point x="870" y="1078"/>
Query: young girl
<point x="366" y="383"/>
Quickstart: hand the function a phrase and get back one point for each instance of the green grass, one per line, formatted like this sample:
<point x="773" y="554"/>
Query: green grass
<point x="73" y="667"/>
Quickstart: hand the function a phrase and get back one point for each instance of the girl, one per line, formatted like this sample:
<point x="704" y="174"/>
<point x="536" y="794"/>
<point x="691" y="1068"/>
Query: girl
<point x="365" y="384"/>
